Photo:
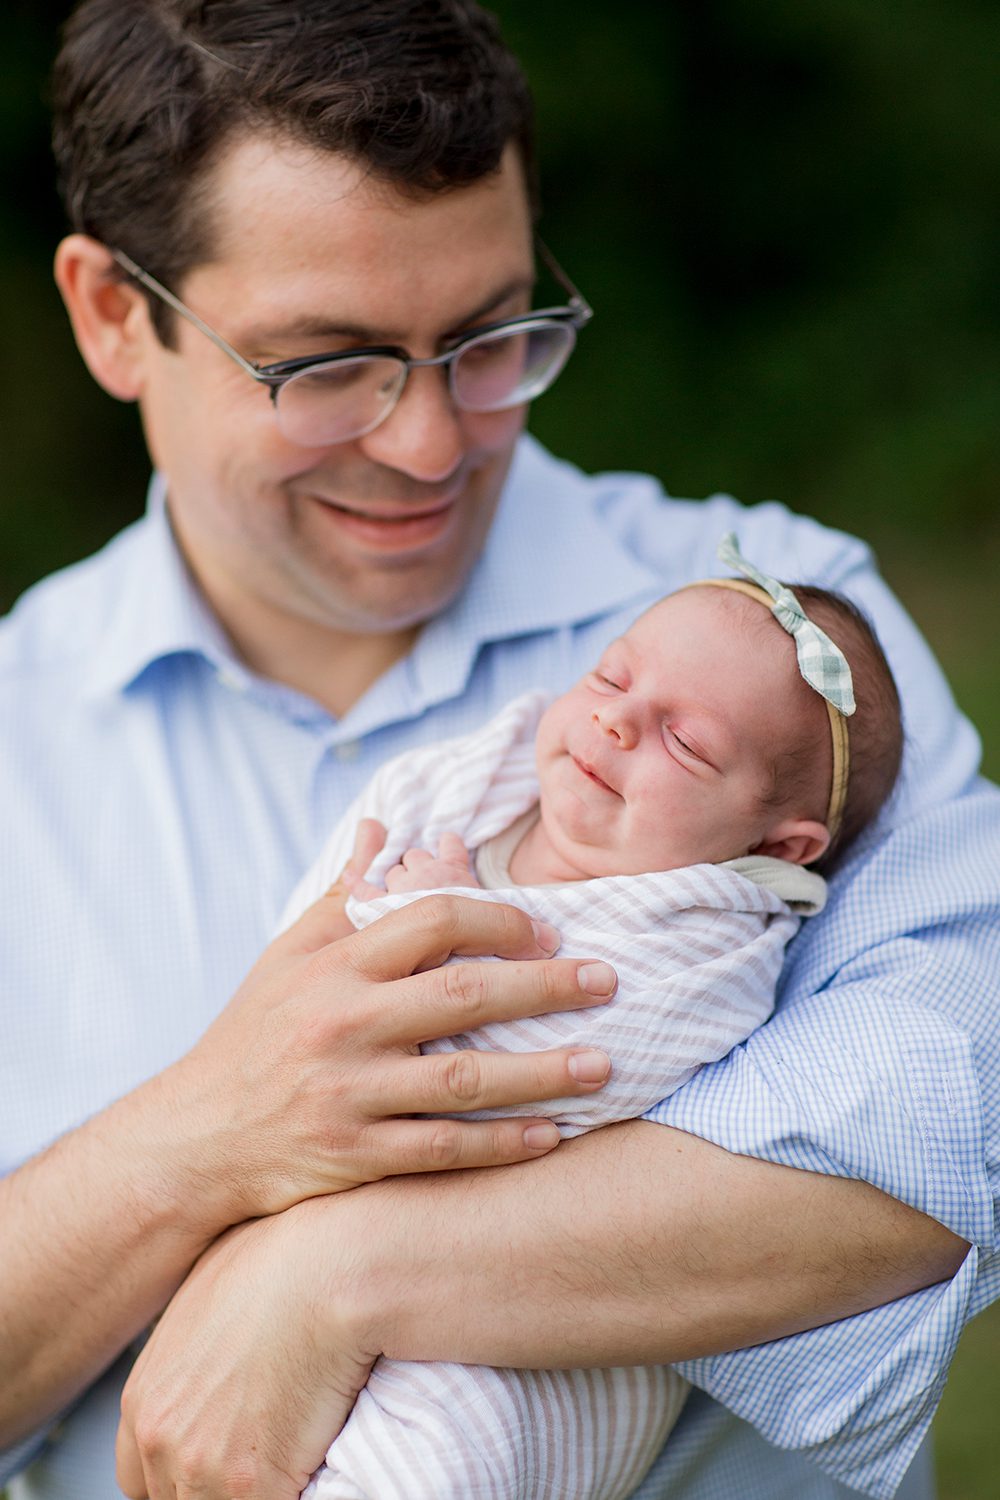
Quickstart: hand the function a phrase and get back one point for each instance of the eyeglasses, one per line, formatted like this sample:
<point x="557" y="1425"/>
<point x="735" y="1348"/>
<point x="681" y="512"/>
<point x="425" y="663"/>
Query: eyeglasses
<point x="323" y="399"/>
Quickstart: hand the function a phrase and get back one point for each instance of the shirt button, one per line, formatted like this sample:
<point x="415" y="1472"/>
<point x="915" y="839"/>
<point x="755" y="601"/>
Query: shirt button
<point x="348" y="751"/>
<point x="231" y="681"/>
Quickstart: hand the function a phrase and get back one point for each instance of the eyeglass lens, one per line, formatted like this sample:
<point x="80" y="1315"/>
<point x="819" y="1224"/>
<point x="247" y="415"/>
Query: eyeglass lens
<point x="333" y="403"/>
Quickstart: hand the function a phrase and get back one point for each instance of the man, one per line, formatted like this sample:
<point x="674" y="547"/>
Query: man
<point x="341" y="559"/>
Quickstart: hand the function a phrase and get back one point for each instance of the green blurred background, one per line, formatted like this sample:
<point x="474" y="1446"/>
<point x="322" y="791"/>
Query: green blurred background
<point x="788" y="219"/>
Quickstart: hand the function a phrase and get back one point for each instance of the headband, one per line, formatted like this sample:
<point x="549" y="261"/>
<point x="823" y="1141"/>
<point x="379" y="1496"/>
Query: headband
<point x="822" y="663"/>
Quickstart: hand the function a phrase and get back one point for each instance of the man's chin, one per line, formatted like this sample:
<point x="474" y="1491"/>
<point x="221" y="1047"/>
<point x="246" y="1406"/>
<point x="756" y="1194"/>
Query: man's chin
<point x="391" y="610"/>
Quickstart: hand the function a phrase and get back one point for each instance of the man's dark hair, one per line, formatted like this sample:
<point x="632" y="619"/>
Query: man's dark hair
<point x="148" y="93"/>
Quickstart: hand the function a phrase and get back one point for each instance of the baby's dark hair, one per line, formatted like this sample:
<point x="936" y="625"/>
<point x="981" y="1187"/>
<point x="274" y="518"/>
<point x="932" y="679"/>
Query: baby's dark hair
<point x="874" y="730"/>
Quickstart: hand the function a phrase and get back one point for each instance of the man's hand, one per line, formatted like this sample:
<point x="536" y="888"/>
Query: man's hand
<point x="305" y="1082"/>
<point x="303" y="1086"/>
<point x="243" y="1385"/>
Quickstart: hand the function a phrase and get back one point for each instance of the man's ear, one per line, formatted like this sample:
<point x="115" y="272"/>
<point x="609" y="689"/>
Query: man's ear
<point x="799" y="840"/>
<point x="110" y="317"/>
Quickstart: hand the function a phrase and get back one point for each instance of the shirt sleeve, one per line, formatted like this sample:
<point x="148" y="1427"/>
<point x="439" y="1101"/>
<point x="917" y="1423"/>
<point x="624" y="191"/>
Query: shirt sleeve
<point x="14" y="1460"/>
<point x="880" y="1064"/>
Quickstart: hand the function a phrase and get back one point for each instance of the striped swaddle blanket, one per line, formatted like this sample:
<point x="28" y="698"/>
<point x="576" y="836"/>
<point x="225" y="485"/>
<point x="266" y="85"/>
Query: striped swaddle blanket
<point x="698" y="952"/>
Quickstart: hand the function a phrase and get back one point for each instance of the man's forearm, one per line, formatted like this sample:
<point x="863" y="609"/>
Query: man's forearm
<point x="308" y="1082"/>
<point x="634" y="1244"/>
<point x="97" y="1232"/>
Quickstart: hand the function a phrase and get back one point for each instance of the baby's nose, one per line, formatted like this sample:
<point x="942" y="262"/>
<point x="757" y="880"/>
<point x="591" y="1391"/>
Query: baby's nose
<point x="614" y="721"/>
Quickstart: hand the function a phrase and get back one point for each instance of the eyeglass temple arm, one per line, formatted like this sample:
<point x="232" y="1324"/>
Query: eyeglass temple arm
<point x="577" y="300"/>
<point x="578" y="303"/>
<point x="165" y="295"/>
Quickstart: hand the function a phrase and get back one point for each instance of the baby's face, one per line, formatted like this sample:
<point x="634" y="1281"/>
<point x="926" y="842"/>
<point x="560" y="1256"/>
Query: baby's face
<point x="663" y="755"/>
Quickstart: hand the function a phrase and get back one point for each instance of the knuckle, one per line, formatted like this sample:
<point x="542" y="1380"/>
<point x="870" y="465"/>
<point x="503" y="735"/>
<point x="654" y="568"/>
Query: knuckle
<point x="242" y="1481"/>
<point x="461" y="1078"/>
<point x="435" y="916"/>
<point x="150" y="1436"/>
<point x="516" y="930"/>
<point x="329" y="963"/>
<point x="465" y="988"/>
<point x="444" y="1145"/>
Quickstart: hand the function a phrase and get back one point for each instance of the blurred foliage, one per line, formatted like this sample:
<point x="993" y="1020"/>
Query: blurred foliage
<point x="788" y="219"/>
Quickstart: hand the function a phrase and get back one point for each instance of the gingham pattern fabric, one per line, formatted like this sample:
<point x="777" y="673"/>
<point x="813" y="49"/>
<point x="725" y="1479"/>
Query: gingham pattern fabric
<point x="698" y="952"/>
<point x="161" y="801"/>
<point x="822" y="663"/>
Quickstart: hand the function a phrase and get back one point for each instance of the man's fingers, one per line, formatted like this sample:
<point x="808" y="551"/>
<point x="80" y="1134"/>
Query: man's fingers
<point x="407" y="1146"/>
<point x="459" y="998"/>
<point x="452" y="1082"/>
<point x="130" y="1473"/>
<point x="424" y="934"/>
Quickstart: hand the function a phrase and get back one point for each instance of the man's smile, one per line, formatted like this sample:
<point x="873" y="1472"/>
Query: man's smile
<point x="390" y="527"/>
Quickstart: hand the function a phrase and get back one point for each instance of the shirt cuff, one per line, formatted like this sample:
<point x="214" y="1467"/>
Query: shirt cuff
<point x="855" y="1397"/>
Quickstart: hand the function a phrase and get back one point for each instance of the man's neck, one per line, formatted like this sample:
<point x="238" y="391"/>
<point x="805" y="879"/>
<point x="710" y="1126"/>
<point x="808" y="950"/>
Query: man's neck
<point x="332" y="667"/>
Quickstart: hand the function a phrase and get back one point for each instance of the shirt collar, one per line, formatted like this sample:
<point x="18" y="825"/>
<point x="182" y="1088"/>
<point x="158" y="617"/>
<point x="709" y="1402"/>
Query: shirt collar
<point x="159" y="611"/>
<point x="549" y="561"/>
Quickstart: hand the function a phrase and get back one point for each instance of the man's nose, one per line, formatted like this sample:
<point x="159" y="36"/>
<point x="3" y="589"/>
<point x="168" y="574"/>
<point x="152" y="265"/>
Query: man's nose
<point x="618" y="722"/>
<point x="422" y="435"/>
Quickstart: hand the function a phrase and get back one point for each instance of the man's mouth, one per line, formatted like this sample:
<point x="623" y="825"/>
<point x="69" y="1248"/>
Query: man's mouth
<point x="391" y="526"/>
<point x="391" y="514"/>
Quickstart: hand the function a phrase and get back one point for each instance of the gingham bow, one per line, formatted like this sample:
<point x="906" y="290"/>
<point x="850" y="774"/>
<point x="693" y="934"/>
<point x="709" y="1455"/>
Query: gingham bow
<point x="823" y="665"/>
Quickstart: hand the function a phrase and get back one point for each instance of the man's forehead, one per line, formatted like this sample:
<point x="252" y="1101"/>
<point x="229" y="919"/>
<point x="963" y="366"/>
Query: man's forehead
<point x="257" y="177"/>
<point x="318" y="245"/>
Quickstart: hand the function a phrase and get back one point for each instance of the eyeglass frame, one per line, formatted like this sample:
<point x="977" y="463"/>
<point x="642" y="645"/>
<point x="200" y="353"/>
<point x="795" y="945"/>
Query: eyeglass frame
<point x="576" y="314"/>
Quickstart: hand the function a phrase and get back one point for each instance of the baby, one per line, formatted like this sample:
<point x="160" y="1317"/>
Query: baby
<point x="661" y="815"/>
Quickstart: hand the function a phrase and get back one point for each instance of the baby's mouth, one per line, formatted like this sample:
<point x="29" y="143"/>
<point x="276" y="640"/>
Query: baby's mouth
<point x="591" y="775"/>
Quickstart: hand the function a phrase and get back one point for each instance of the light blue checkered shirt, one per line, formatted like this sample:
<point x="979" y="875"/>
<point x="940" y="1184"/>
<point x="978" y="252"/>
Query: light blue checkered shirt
<point x="161" y="801"/>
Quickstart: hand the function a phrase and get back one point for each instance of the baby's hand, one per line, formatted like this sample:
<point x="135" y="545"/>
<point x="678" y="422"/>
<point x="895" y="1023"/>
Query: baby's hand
<point x="421" y="871"/>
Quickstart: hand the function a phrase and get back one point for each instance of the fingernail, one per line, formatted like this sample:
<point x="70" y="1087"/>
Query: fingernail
<point x="541" y="1137"/>
<point x="545" y="936"/>
<point x="596" y="979"/>
<point x="590" y="1067"/>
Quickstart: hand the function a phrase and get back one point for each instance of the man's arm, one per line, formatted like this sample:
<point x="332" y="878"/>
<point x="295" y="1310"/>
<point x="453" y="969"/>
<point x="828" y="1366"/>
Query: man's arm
<point x="633" y="1244"/>
<point x="301" y="1086"/>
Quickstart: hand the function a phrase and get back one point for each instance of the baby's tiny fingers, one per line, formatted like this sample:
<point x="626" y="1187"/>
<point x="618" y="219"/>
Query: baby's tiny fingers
<point x="453" y="850"/>
<point x="414" y="858"/>
<point x="368" y="840"/>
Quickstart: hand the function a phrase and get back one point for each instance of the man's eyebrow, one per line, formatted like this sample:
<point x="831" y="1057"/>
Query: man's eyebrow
<point x="513" y="288"/>
<point x="313" y="328"/>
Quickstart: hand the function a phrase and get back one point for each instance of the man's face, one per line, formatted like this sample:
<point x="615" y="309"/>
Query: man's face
<point x="663" y="755"/>
<point x="311" y="256"/>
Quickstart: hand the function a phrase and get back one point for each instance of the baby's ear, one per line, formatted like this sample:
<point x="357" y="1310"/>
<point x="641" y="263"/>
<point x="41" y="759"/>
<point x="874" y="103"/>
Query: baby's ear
<point x="799" y="840"/>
